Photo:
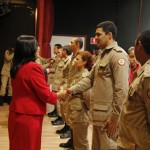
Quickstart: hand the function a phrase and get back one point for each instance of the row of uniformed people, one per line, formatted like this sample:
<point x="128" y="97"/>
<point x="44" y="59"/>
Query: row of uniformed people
<point x="109" y="81"/>
<point x="73" y="111"/>
<point x="65" y="72"/>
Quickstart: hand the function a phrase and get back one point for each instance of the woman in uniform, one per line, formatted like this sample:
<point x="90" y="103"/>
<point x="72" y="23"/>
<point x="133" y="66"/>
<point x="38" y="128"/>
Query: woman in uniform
<point x="76" y="112"/>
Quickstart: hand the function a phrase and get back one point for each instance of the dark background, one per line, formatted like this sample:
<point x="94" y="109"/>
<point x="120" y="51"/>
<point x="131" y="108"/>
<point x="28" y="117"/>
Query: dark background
<point x="77" y="18"/>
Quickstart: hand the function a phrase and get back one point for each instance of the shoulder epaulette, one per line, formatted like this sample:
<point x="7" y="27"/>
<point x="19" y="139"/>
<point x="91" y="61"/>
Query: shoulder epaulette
<point x="117" y="50"/>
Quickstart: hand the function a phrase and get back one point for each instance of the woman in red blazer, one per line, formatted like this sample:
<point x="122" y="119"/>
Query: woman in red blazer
<point x="30" y="95"/>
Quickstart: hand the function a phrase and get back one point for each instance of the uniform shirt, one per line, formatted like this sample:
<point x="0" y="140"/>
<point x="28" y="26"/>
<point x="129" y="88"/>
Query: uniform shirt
<point x="30" y="91"/>
<point x="134" y="126"/>
<point x="109" y="81"/>
<point x="69" y="70"/>
<point x="58" y="78"/>
<point x="44" y="62"/>
<point x="75" y="110"/>
<point x="52" y="71"/>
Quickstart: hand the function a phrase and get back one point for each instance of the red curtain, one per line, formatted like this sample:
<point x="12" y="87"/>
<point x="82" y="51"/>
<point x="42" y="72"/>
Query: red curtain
<point x="44" y="27"/>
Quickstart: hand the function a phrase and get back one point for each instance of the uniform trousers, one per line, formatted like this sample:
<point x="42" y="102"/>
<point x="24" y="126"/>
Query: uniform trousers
<point x="24" y="131"/>
<point x="4" y="81"/>
<point x="100" y="140"/>
<point x="80" y="134"/>
<point x="120" y="148"/>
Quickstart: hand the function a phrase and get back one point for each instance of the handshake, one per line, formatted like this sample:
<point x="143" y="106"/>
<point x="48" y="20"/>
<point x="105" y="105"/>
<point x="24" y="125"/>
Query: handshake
<point x="64" y="95"/>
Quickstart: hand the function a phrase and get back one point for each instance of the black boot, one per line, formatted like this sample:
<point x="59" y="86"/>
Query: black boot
<point x="66" y="134"/>
<point x="1" y="100"/>
<point x="53" y="113"/>
<point x="63" y="130"/>
<point x="68" y="144"/>
<point x="9" y="99"/>
<point x="58" y="121"/>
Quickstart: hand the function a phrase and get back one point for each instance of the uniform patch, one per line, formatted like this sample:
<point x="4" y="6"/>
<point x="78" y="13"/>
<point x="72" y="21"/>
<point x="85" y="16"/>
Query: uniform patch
<point x="148" y="93"/>
<point x="121" y="62"/>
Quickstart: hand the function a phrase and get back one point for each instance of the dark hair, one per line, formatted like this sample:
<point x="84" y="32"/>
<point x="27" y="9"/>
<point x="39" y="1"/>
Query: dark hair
<point x="144" y="38"/>
<point x="66" y="48"/>
<point x="80" y="41"/>
<point x="86" y="56"/>
<point x="58" y="45"/>
<point x="24" y="51"/>
<point x="108" y="26"/>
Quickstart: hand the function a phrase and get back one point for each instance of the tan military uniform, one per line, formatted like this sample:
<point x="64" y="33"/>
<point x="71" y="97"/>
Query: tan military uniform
<point x="69" y="69"/>
<point x="5" y="74"/>
<point x="58" y="79"/>
<point x="52" y="71"/>
<point x="109" y="81"/>
<point x="59" y="76"/>
<point x="44" y="62"/>
<point x="134" y="125"/>
<point x="76" y="112"/>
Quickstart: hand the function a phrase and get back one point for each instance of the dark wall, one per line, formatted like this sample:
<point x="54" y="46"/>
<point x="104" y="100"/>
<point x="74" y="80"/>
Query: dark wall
<point x="78" y="17"/>
<point x="19" y="21"/>
<point x="81" y="17"/>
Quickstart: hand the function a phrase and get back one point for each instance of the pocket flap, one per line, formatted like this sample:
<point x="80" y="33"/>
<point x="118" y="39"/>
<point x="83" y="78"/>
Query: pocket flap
<point x="100" y="107"/>
<point x="102" y="64"/>
<point x="125" y="144"/>
<point x="75" y="107"/>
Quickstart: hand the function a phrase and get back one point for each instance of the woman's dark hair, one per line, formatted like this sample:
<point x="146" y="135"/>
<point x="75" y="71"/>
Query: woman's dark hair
<point x="144" y="38"/>
<point x="24" y="51"/>
<point x="86" y="56"/>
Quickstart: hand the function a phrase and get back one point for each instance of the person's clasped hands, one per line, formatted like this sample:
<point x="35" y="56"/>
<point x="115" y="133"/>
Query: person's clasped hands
<point x="64" y="95"/>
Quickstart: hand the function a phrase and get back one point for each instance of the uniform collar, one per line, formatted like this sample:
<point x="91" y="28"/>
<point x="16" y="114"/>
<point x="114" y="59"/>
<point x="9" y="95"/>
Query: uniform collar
<point x="141" y="70"/>
<point x="112" y="45"/>
<point x="109" y="47"/>
<point x="66" y="59"/>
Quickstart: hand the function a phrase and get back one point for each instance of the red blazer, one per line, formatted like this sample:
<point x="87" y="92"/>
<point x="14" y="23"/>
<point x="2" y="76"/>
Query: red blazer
<point x="30" y="91"/>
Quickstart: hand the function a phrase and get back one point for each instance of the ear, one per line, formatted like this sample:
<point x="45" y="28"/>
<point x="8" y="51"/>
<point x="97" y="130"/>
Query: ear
<point x="139" y="45"/>
<point x="78" y="44"/>
<point x="110" y="35"/>
<point x="84" y="62"/>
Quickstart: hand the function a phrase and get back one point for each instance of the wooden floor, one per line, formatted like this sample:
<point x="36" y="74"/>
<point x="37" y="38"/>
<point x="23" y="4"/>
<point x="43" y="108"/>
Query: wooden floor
<point x="50" y="140"/>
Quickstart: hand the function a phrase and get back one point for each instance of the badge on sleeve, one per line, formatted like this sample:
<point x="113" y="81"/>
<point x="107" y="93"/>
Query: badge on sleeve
<point x="121" y="62"/>
<point x="148" y="93"/>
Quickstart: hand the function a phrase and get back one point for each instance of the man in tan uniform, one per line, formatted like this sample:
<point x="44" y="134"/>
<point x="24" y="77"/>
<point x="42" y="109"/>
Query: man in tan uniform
<point x="109" y="81"/>
<point x="52" y="74"/>
<point x="134" y="123"/>
<point x="59" y="80"/>
<point x="5" y="76"/>
<point x="75" y="46"/>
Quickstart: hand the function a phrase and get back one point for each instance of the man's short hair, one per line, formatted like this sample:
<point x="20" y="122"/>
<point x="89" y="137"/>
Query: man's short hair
<point x="144" y="38"/>
<point x="108" y="26"/>
<point x="66" y="48"/>
<point x="58" y="45"/>
<point x="80" y="41"/>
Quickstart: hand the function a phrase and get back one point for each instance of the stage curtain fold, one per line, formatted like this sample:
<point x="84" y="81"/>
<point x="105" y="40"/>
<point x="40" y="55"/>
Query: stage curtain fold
<point x="44" y="26"/>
